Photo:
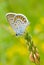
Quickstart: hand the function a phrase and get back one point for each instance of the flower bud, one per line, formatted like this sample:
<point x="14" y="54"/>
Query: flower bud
<point x="36" y="59"/>
<point x="38" y="56"/>
<point x="31" y="57"/>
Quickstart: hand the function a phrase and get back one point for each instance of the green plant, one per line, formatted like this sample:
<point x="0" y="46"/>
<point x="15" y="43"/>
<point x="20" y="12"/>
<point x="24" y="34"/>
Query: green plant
<point x="34" y="54"/>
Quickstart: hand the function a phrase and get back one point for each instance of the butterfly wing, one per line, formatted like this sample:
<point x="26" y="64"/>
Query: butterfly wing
<point x="22" y="23"/>
<point x="10" y="18"/>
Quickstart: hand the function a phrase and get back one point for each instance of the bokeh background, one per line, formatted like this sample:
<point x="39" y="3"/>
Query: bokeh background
<point x="13" y="50"/>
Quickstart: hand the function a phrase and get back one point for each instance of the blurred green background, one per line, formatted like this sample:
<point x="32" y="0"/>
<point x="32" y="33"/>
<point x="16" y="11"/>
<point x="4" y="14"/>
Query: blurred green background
<point x="13" y="50"/>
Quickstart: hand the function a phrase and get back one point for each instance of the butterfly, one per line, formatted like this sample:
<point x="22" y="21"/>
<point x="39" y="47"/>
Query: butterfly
<point x="18" y="22"/>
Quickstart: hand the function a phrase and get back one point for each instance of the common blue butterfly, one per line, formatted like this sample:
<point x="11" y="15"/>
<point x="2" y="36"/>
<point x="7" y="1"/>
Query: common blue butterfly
<point x="18" y="22"/>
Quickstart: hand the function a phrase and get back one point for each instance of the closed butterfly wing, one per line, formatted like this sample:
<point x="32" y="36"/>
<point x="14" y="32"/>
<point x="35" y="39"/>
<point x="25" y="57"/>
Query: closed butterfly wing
<point x="10" y="18"/>
<point x="18" y="22"/>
